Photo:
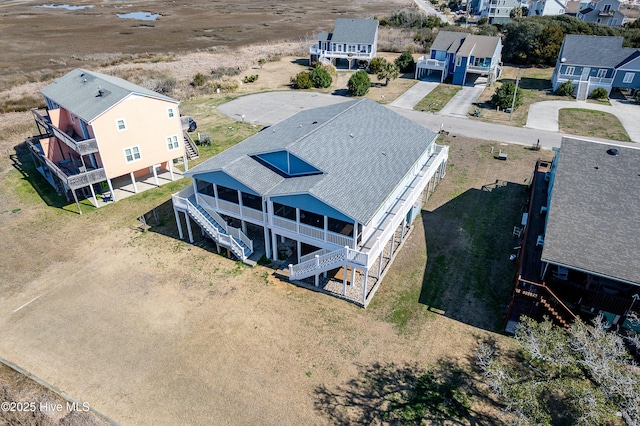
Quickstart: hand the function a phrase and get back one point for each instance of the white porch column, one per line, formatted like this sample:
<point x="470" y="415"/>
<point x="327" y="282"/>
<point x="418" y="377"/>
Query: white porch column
<point x="215" y="193"/>
<point x="178" y="223"/>
<point x="170" y="164"/>
<point x="267" y="246"/>
<point x="240" y="202"/>
<point x="364" y="287"/>
<point x="380" y="260"/>
<point x="297" y="220"/>
<point x="186" y="216"/>
<point x="326" y="226"/>
<point x="186" y="162"/>
<point x="155" y="175"/>
<point x="344" y="279"/>
<point x="133" y="181"/>
<point x="353" y="275"/>
<point x="393" y="243"/>
<point x="113" y="194"/>
<point x="93" y="195"/>
<point x="404" y="226"/>
<point x="317" y="277"/>
<point x="355" y="234"/>
<point x="299" y="249"/>
<point x="274" y="245"/>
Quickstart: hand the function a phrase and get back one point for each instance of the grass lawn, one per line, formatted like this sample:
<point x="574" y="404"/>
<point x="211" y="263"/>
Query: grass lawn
<point x="585" y="122"/>
<point x="535" y="85"/>
<point x="437" y="98"/>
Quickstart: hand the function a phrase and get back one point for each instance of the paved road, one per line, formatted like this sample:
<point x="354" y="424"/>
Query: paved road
<point x="411" y="97"/>
<point x="462" y="102"/>
<point x="429" y="10"/>
<point x="544" y="115"/>
<point x="272" y="107"/>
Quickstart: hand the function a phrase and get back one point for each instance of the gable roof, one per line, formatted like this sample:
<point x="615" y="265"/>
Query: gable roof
<point x="595" y="51"/>
<point x="78" y="91"/>
<point x="465" y="44"/>
<point x="448" y="41"/>
<point x="363" y="149"/>
<point x="361" y="31"/>
<point x="593" y="217"/>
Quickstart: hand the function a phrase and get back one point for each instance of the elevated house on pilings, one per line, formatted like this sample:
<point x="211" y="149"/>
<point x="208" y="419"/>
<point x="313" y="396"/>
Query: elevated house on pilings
<point x="104" y="138"/>
<point x="579" y="252"/>
<point x="331" y="192"/>
<point x="353" y="40"/>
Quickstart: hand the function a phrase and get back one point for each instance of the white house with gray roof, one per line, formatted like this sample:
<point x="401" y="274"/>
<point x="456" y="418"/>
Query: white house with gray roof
<point x="603" y="12"/>
<point x="355" y="40"/>
<point x="333" y="189"/>
<point x="590" y="62"/>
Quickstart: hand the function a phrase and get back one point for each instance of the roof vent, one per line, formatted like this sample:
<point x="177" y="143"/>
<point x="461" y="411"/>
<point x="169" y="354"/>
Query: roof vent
<point x="351" y="135"/>
<point x="315" y="122"/>
<point x="613" y="152"/>
<point x="100" y="92"/>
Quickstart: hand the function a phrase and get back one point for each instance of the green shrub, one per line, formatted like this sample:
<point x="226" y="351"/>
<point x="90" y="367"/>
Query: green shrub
<point x="198" y="80"/>
<point x="251" y="78"/>
<point x="320" y="78"/>
<point x="599" y="93"/>
<point x="376" y="64"/>
<point x="359" y="83"/>
<point x="302" y="80"/>
<point x="405" y="62"/>
<point x="565" y="89"/>
<point x="261" y="62"/>
<point x="503" y="97"/>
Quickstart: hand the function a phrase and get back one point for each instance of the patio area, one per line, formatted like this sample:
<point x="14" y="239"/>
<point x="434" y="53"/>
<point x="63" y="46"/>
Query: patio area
<point x="123" y="187"/>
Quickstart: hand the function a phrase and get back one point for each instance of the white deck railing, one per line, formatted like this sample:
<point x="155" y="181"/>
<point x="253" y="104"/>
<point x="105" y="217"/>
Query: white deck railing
<point x="424" y="62"/>
<point x="313" y="232"/>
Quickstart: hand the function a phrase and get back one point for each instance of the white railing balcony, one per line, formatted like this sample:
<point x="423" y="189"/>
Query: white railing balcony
<point x="250" y="213"/>
<point x="479" y="68"/>
<point x="283" y="223"/>
<point x="339" y="54"/>
<point x="78" y="144"/>
<point x="313" y="232"/>
<point x="601" y="80"/>
<point x="424" y="62"/>
<point x="228" y="206"/>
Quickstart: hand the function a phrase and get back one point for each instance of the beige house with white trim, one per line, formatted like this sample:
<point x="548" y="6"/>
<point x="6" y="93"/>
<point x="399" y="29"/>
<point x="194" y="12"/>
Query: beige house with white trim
<point x="100" y="135"/>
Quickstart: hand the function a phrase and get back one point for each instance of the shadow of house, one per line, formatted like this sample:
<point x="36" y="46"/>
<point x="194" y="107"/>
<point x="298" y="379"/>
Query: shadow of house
<point x="22" y="162"/>
<point x="469" y="276"/>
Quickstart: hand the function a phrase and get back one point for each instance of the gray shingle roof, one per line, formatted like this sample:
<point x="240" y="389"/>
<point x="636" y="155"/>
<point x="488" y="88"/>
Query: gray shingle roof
<point x="595" y="211"/>
<point x="361" y="31"/>
<point x="448" y="41"/>
<point x="77" y="91"/>
<point x="479" y="46"/>
<point x="363" y="149"/>
<point x="594" y="51"/>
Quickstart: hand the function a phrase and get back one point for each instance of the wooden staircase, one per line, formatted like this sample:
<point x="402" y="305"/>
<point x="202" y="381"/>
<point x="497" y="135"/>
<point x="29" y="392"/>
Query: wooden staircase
<point x="190" y="147"/>
<point x="558" y="311"/>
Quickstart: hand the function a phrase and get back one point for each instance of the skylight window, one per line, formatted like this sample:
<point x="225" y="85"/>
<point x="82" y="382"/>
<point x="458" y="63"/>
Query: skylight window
<point x="286" y="164"/>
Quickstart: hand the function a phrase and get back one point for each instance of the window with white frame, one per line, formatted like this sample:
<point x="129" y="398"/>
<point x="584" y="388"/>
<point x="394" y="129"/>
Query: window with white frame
<point x="172" y="142"/>
<point x="602" y="73"/>
<point x="121" y="124"/>
<point x="628" y="77"/>
<point x="570" y="70"/>
<point x="132" y="154"/>
<point x="458" y="61"/>
<point x="171" y="112"/>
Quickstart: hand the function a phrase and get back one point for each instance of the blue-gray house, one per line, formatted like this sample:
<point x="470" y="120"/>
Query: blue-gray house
<point x="331" y="190"/>
<point x="459" y="54"/>
<point x="590" y="62"/>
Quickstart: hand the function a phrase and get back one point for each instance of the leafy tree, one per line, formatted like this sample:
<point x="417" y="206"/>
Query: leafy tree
<point x="483" y="21"/>
<point x="302" y="80"/>
<point x="359" y="83"/>
<point x="388" y="72"/>
<point x="583" y="375"/>
<point x="320" y="77"/>
<point x="376" y="64"/>
<point x="503" y="97"/>
<point x="548" y="45"/>
<point x="598" y="93"/>
<point x="565" y="89"/>
<point x="405" y="62"/>
<point x="518" y="12"/>
<point x="198" y="80"/>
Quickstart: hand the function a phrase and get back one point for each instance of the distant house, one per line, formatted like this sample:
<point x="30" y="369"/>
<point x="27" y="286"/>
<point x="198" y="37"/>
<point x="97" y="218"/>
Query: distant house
<point x="459" y="54"/>
<point x="604" y="12"/>
<point x="547" y="7"/>
<point x="496" y="11"/>
<point x="100" y="132"/>
<point x="331" y="191"/>
<point x="577" y="257"/>
<point x="355" y="40"/>
<point x="590" y="62"/>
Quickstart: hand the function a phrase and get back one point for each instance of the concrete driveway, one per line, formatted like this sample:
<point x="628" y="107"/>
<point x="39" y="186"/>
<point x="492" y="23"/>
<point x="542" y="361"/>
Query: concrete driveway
<point x="463" y="101"/>
<point x="544" y="115"/>
<point x="411" y="97"/>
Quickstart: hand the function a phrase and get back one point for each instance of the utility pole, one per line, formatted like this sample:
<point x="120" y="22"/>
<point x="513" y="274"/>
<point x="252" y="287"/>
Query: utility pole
<point x="513" y="102"/>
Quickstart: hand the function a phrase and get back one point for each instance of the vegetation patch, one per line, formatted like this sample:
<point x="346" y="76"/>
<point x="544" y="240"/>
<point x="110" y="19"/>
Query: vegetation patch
<point x="437" y="98"/>
<point x="596" y="124"/>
